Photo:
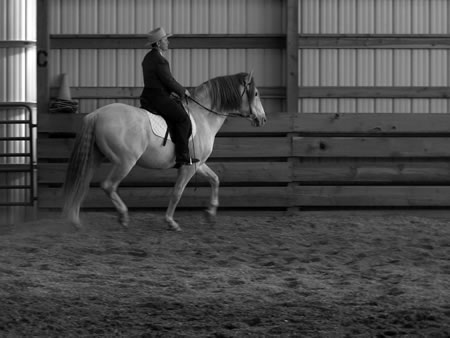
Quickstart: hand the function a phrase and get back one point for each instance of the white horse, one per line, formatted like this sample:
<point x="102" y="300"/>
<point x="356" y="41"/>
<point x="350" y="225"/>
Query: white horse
<point x="123" y="135"/>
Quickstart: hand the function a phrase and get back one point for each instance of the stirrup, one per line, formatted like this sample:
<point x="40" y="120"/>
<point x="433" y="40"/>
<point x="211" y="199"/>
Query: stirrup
<point x="191" y="161"/>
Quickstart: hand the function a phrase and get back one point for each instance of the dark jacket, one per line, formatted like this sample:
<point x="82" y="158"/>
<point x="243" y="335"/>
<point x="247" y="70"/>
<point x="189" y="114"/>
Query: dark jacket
<point x="157" y="75"/>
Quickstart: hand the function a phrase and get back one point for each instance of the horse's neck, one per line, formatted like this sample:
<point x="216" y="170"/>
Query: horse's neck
<point x="206" y="120"/>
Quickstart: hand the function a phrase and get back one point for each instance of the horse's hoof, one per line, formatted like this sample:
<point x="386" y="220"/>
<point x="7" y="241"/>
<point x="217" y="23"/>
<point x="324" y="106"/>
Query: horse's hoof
<point x="210" y="216"/>
<point x="173" y="226"/>
<point x="124" y="220"/>
<point x="77" y="226"/>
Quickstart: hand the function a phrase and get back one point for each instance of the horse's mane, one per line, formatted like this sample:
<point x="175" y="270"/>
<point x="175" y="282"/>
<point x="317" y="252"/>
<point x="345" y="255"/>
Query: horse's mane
<point x="225" y="92"/>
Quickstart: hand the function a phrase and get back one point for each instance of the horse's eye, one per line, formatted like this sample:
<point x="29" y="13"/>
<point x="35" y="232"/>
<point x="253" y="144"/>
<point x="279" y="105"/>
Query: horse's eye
<point x="256" y="93"/>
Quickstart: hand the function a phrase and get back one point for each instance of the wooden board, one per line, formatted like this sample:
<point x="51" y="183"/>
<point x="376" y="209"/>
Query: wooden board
<point x="394" y="41"/>
<point x="245" y="172"/>
<point x="278" y="122"/>
<point x="185" y="41"/>
<point x="437" y="92"/>
<point x="224" y="147"/>
<point x="353" y="170"/>
<point x="393" y="147"/>
<point x="236" y="197"/>
<point x="375" y="123"/>
<point x="373" y="92"/>
<point x="135" y="92"/>
<point x="370" y="196"/>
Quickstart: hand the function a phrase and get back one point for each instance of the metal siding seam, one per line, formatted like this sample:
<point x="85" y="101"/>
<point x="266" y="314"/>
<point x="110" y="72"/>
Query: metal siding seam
<point x="107" y="16"/>
<point x="347" y="67"/>
<point x="54" y="66"/>
<point x="138" y="57"/>
<point x="438" y="16"/>
<point x="181" y="13"/>
<point x="55" y="15"/>
<point x="383" y="17"/>
<point x="180" y="60"/>
<point x="70" y="62"/>
<point x="31" y="20"/>
<point x="420" y="17"/>
<point x="255" y="7"/>
<point x="237" y="14"/>
<point x="277" y="12"/>
<point x="144" y="16"/>
<point x="347" y="17"/>
<point x="383" y="67"/>
<point x="107" y="67"/>
<point x="328" y="67"/>
<point x="3" y="74"/>
<point x="16" y="22"/>
<point x="328" y="18"/>
<point x="218" y="62"/>
<point x="125" y="63"/>
<point x="31" y="75"/>
<point x="70" y="17"/>
<point x="199" y="66"/>
<point x="217" y="23"/>
<point x="163" y="14"/>
<point x="200" y="16"/>
<point x="402" y="16"/>
<point x="402" y="67"/>
<point x="4" y="22"/>
<point x="125" y="16"/>
<point x="238" y="60"/>
<point x="438" y="67"/>
<point x="88" y="67"/>
<point x="272" y="69"/>
<point x="311" y="16"/>
<point x="88" y="16"/>
<point x="255" y="59"/>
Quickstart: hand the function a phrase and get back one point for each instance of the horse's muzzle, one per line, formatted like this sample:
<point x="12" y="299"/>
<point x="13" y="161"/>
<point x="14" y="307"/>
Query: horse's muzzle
<point x="258" y="121"/>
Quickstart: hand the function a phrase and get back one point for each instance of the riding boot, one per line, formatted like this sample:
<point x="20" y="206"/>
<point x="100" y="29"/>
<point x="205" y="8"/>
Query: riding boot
<point x="183" y="158"/>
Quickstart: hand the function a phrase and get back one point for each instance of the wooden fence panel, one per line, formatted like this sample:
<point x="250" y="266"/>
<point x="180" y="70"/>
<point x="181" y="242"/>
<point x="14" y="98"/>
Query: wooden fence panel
<point x="228" y="172"/>
<point x="278" y="122"/>
<point x="308" y="171"/>
<point x="299" y="161"/>
<point x="371" y="196"/>
<point x="380" y="146"/>
<point x="224" y="147"/>
<point x="157" y="197"/>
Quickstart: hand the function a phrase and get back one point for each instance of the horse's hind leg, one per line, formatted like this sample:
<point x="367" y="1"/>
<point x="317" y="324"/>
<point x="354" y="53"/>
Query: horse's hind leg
<point x="214" y="199"/>
<point x="110" y="185"/>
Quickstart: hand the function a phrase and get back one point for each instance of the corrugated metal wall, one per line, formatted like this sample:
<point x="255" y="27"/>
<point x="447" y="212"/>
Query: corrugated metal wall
<point x="191" y="67"/>
<point x="374" y="67"/>
<point x="17" y="84"/>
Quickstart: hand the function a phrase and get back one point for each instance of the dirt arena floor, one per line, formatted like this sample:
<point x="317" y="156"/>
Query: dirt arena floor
<point x="309" y="275"/>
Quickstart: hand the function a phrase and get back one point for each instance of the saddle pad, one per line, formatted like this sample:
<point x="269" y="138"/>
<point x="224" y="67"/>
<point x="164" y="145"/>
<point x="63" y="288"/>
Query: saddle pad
<point x="159" y="125"/>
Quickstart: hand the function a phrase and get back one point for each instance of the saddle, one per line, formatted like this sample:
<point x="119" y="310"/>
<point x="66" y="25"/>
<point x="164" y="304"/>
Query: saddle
<point x="161" y="129"/>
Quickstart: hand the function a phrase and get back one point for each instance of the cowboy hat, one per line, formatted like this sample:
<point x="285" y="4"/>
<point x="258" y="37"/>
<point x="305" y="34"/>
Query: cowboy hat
<point x="156" y="35"/>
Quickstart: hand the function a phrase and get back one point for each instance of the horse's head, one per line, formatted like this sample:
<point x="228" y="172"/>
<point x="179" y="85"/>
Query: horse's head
<point x="251" y="106"/>
<point x="235" y="95"/>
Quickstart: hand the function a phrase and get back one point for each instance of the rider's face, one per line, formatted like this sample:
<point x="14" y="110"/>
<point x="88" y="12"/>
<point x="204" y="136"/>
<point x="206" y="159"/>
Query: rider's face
<point x="164" y="44"/>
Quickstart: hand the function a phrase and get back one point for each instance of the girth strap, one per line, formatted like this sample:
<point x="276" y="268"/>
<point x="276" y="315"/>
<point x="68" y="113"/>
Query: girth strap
<point x="166" y="136"/>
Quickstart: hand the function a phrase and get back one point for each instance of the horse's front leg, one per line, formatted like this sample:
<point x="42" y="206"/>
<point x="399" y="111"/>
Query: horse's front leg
<point x="185" y="173"/>
<point x="213" y="179"/>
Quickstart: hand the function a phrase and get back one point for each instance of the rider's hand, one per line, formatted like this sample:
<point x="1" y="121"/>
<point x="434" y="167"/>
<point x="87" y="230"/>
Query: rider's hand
<point x="187" y="93"/>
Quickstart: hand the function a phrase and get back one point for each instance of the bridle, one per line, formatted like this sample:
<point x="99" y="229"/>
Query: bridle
<point x="246" y="90"/>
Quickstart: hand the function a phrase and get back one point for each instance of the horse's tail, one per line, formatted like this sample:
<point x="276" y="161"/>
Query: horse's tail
<point x="84" y="159"/>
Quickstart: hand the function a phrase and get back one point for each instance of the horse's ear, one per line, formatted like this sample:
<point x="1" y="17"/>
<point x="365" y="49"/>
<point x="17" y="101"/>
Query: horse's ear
<point x="249" y="78"/>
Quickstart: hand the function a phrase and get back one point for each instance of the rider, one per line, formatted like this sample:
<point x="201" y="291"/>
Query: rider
<point x="158" y="85"/>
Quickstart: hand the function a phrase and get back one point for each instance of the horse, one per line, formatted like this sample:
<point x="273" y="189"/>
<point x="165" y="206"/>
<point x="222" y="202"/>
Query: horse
<point x="123" y="135"/>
